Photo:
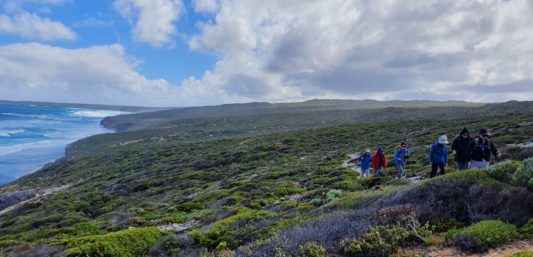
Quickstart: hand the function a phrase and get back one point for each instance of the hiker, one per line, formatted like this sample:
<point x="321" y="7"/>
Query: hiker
<point x="460" y="149"/>
<point x="480" y="149"/>
<point x="438" y="156"/>
<point x="365" y="159"/>
<point x="400" y="158"/>
<point x="379" y="161"/>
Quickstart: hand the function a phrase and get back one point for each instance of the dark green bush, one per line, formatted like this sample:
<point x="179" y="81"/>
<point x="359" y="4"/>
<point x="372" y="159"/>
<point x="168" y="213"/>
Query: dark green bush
<point x="312" y="249"/>
<point x="483" y="235"/>
<point x="127" y="243"/>
<point x="189" y="207"/>
<point x="526" y="231"/>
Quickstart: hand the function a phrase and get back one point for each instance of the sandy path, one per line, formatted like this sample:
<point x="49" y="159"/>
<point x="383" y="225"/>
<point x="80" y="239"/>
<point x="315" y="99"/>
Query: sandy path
<point x="506" y="250"/>
<point x="38" y="196"/>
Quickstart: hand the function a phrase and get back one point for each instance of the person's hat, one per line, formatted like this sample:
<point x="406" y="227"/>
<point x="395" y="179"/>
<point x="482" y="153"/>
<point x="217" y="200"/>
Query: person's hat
<point x="367" y="151"/>
<point x="403" y="144"/>
<point x="443" y="139"/>
<point x="484" y="132"/>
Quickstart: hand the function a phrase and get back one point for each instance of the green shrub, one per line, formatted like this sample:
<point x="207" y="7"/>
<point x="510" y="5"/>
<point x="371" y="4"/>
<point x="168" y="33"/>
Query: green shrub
<point x="312" y="249"/>
<point x="354" y="199"/>
<point x="479" y="177"/>
<point x="189" y="207"/>
<point x="316" y="201"/>
<point x="349" y="185"/>
<point x="521" y="254"/>
<point x="86" y="229"/>
<point x="385" y="240"/>
<point x="127" y="243"/>
<point x="525" y="177"/>
<point x="332" y="194"/>
<point x="369" y="182"/>
<point x="289" y="191"/>
<point x="8" y="243"/>
<point x="176" y="218"/>
<point x="526" y="231"/>
<point x="234" y="230"/>
<point x="488" y="233"/>
<point x="513" y="172"/>
<point x="504" y="171"/>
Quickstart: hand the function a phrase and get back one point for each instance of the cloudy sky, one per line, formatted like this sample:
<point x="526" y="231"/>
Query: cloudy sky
<point x="204" y="52"/>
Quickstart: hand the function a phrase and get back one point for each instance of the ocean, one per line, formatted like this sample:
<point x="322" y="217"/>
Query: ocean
<point x="32" y="136"/>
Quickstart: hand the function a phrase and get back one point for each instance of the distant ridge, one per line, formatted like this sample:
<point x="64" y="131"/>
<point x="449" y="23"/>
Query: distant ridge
<point x="137" y="121"/>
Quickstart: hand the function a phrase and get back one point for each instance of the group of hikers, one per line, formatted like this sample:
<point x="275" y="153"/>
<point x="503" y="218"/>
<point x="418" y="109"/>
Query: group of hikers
<point x="470" y="153"/>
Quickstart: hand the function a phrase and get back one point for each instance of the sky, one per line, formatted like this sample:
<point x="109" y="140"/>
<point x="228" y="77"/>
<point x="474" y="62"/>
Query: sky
<point x="207" y="52"/>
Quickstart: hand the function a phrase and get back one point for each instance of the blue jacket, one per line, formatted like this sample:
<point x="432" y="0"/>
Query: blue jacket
<point x="365" y="159"/>
<point x="438" y="153"/>
<point x="399" y="155"/>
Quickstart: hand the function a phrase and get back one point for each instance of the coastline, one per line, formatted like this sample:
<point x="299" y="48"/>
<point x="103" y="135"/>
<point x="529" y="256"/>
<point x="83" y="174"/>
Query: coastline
<point x="7" y="180"/>
<point x="11" y="195"/>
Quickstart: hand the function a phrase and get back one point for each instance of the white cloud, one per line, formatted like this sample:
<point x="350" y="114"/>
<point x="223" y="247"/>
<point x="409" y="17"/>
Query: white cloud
<point x="207" y="6"/>
<point x="153" y="20"/>
<point x="31" y="26"/>
<point x="277" y="50"/>
<point x="98" y="74"/>
<point x="18" y="5"/>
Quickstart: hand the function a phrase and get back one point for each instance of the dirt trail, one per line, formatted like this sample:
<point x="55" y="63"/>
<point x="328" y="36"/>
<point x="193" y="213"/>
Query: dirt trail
<point x="38" y="196"/>
<point x="352" y="162"/>
<point x="506" y="250"/>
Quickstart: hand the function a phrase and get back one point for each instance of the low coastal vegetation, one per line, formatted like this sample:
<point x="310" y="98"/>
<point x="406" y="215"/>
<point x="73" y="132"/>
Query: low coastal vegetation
<point x="282" y="193"/>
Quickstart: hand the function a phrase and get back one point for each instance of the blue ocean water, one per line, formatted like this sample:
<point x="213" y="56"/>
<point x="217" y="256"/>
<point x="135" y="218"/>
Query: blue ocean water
<point x="31" y="136"/>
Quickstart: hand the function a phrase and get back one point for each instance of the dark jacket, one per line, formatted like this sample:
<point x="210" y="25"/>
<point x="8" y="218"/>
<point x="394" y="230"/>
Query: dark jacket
<point x="478" y="151"/>
<point x="460" y="146"/>
<point x="438" y="153"/>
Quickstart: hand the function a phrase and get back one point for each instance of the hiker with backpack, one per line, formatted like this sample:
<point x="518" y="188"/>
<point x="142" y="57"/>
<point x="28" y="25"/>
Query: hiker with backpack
<point x="379" y="161"/>
<point x="365" y="159"/>
<point x="460" y="149"/>
<point x="400" y="158"/>
<point x="438" y="155"/>
<point x="480" y="149"/>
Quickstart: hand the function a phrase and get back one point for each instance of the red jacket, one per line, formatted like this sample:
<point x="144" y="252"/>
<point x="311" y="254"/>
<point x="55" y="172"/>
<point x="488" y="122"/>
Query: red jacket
<point x="376" y="159"/>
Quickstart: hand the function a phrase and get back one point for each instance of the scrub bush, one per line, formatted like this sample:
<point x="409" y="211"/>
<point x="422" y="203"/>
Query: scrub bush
<point x="522" y="254"/>
<point x="234" y="230"/>
<point x="312" y="249"/>
<point x="483" y="235"/>
<point x="514" y="172"/>
<point x="332" y="194"/>
<point x="526" y="231"/>
<point x="385" y="240"/>
<point x="127" y="243"/>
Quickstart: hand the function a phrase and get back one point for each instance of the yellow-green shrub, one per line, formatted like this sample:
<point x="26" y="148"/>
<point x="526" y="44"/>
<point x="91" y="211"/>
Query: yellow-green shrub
<point x="312" y="249"/>
<point x="127" y="243"/>
<point x="521" y="254"/>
